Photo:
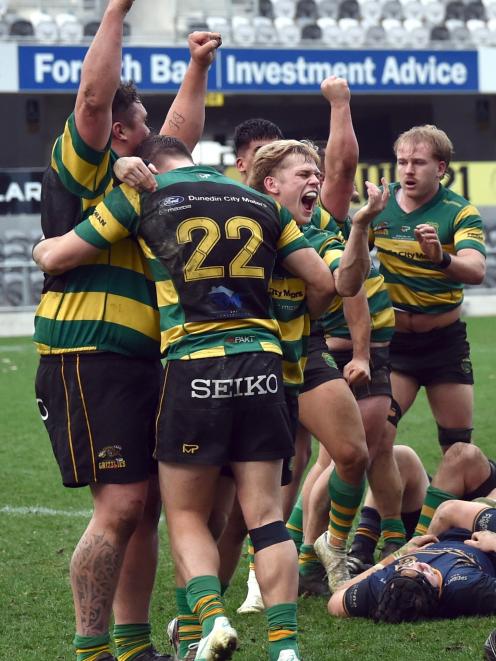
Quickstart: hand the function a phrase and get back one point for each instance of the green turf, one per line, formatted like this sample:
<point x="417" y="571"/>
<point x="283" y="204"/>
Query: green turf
<point x="35" y="599"/>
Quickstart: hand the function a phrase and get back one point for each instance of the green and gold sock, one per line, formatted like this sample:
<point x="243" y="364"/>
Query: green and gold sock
<point x="131" y="639"/>
<point x="188" y="625"/>
<point x="282" y="629"/>
<point x="433" y="498"/>
<point x="89" y="648"/>
<point x="345" y="500"/>
<point x="295" y="523"/>
<point x="307" y="559"/>
<point x="393" y="532"/>
<point x="204" y="600"/>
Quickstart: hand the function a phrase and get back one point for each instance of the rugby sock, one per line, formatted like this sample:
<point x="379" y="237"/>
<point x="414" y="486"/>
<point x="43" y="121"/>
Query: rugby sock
<point x="250" y="551"/>
<point x="295" y="523"/>
<point x="204" y="600"/>
<point x="89" y="648"/>
<point x="307" y="559"/>
<point x="393" y="532"/>
<point x="433" y="498"/>
<point x="345" y="500"/>
<point x="188" y="625"/>
<point x="367" y="533"/>
<point x="131" y="639"/>
<point x="282" y="629"/>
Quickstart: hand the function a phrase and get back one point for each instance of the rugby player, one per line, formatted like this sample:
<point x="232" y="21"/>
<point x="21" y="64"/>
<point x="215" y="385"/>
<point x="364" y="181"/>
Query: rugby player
<point x="429" y="244"/>
<point x="211" y="245"/>
<point x="96" y="329"/>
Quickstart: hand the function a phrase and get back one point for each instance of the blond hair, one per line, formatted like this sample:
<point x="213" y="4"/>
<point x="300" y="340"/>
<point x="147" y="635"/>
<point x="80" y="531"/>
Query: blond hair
<point x="441" y="145"/>
<point x="269" y="158"/>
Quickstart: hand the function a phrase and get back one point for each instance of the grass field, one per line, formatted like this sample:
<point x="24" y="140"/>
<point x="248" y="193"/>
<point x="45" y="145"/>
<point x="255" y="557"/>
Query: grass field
<point x="41" y="523"/>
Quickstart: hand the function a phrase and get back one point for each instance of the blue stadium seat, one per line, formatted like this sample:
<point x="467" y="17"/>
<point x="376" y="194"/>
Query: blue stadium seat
<point x="311" y="32"/>
<point x="307" y="9"/>
<point x="21" y="27"/>
<point x="455" y="9"/>
<point x="440" y="33"/>
<point x="349" y="9"/>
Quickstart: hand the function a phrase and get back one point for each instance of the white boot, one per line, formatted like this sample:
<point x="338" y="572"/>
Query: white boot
<point x="253" y="602"/>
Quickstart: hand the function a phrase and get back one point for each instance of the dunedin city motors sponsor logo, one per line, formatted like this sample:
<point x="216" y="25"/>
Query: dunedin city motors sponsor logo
<point x="246" y="386"/>
<point x="111" y="457"/>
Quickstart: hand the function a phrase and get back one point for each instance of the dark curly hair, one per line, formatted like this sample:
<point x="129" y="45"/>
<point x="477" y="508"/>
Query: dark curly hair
<point x="406" y="599"/>
<point x="124" y="99"/>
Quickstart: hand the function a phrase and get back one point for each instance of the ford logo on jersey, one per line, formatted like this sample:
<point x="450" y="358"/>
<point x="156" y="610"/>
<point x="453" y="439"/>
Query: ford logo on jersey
<point x="172" y="201"/>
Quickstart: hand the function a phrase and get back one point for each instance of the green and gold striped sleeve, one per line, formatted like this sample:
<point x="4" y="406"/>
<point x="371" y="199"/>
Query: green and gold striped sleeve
<point x="291" y="238"/>
<point x="468" y="230"/>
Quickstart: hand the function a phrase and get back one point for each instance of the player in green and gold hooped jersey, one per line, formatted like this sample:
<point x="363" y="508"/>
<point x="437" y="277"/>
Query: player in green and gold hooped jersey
<point x="211" y="244"/>
<point x="96" y="329"/>
<point x="429" y="243"/>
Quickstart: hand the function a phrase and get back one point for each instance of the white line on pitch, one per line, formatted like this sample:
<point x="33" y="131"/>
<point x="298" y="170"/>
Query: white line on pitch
<point x="43" y="511"/>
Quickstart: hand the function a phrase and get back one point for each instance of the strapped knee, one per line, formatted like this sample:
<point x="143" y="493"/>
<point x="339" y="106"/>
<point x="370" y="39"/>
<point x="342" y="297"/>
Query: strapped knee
<point x="451" y="436"/>
<point x="268" y="535"/>
<point x="395" y="413"/>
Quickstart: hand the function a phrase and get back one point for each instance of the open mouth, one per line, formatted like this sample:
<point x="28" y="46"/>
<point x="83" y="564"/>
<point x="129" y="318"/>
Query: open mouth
<point x="308" y="200"/>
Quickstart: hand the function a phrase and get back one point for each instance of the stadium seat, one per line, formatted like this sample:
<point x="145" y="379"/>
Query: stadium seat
<point x="352" y="33"/>
<point x="392" y="9"/>
<point x="490" y="7"/>
<point x="71" y="30"/>
<point x="455" y="9"/>
<point x="264" y="30"/>
<point x="475" y="9"/>
<point x="396" y="35"/>
<point x="311" y="32"/>
<point x="371" y="12"/>
<point x="243" y="32"/>
<point x="4" y="29"/>
<point x="220" y="24"/>
<point x="375" y="36"/>
<point x="265" y="8"/>
<point x="418" y="35"/>
<point x="91" y="28"/>
<point x="247" y="8"/>
<point x="461" y="37"/>
<point x="413" y="9"/>
<point x="21" y="27"/>
<point x="349" y="9"/>
<point x="288" y="33"/>
<point x="284" y="8"/>
<point x="434" y="12"/>
<point x="331" y="33"/>
<point x="45" y="28"/>
<point x="479" y="32"/>
<point x="306" y="10"/>
<point x="440" y="34"/>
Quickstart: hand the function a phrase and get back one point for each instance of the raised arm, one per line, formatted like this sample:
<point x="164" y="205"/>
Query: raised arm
<point x="307" y="265"/>
<point x="100" y="77"/>
<point x="341" y="153"/>
<point x="357" y="315"/>
<point x="355" y="262"/>
<point x="186" y="116"/>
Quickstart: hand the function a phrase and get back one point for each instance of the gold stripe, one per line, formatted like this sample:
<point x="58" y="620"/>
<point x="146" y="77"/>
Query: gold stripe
<point x="107" y="225"/>
<point x="467" y="211"/>
<point x="383" y="319"/>
<point x="367" y="533"/>
<point x="427" y="511"/>
<point x="69" y="422"/>
<point x="213" y="352"/>
<point x="45" y="349"/>
<point x="337" y="534"/>
<point x="86" y="174"/>
<point x="131" y="653"/>
<point x="291" y="331"/>
<point x="281" y="634"/>
<point x="159" y="410"/>
<point x="271" y="347"/>
<point x="166" y="293"/>
<point x="193" y="327"/>
<point x="95" y="306"/>
<point x="342" y="509"/>
<point x="290" y="526"/>
<point x="92" y="449"/>
<point x="345" y="523"/>
<point x="402" y="294"/>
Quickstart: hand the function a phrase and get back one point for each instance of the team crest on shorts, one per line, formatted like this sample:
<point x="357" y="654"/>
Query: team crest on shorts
<point x="328" y="359"/>
<point x="111" y="457"/>
<point x="466" y="366"/>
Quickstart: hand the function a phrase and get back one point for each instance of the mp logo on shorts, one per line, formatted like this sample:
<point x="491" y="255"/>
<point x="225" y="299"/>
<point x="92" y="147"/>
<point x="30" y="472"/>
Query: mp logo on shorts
<point x="190" y="448"/>
<point x="111" y="457"/>
<point x="246" y="386"/>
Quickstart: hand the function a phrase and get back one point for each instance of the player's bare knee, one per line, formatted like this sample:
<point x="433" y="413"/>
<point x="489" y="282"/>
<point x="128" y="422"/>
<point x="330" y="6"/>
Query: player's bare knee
<point x="445" y="515"/>
<point x="352" y="459"/>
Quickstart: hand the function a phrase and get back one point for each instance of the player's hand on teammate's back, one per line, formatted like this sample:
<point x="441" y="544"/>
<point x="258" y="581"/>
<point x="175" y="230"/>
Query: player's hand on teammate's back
<point x="429" y="242"/>
<point x="335" y="90"/>
<point x="132" y="171"/>
<point x="376" y="202"/>
<point x="202" y="47"/>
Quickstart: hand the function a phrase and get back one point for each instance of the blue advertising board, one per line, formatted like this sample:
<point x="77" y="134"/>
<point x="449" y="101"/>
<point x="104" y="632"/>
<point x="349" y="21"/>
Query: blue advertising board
<point x="52" y="68"/>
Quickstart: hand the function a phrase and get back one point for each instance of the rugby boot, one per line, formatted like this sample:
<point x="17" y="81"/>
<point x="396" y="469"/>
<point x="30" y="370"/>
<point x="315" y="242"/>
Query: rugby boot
<point x="490" y="647"/>
<point x="313" y="583"/>
<point x="288" y="655"/>
<point x="359" y="562"/>
<point x="173" y="634"/>
<point x="220" y="644"/>
<point x="334" y="561"/>
<point x="253" y="602"/>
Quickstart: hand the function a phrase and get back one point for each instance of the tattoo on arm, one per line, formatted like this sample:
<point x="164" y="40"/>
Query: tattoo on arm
<point x="176" y="121"/>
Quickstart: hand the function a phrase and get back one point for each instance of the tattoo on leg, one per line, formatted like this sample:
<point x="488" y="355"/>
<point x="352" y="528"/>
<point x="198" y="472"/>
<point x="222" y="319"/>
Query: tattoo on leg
<point x="95" y="569"/>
